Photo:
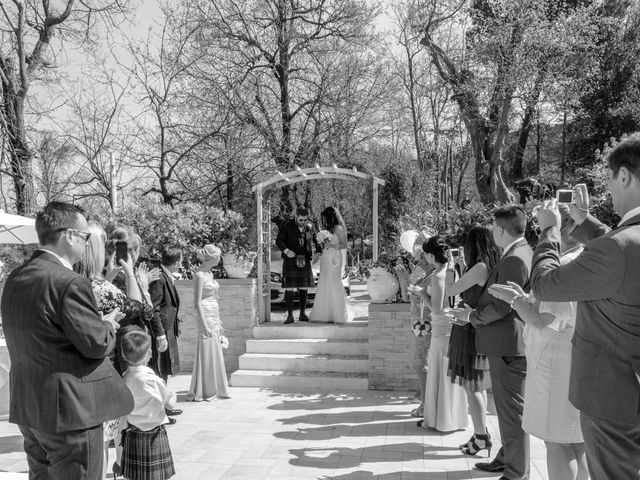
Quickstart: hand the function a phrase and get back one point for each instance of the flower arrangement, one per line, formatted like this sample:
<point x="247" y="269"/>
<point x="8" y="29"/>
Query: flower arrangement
<point x="323" y="236"/>
<point x="224" y="342"/>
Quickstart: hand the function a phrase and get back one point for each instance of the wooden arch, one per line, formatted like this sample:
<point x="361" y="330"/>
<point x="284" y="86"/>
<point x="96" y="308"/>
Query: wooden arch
<point x="264" y="218"/>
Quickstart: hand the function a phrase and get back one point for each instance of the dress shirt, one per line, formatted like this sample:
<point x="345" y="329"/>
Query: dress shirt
<point x="63" y="260"/>
<point x="630" y="214"/>
<point x="508" y="247"/>
<point x="150" y="396"/>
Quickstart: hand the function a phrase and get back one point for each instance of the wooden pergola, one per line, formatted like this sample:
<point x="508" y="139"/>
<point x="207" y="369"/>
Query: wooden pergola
<point x="264" y="218"/>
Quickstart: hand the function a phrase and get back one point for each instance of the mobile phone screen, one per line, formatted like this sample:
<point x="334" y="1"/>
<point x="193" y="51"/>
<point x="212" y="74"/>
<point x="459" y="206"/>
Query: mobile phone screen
<point x="121" y="252"/>
<point x="565" y="196"/>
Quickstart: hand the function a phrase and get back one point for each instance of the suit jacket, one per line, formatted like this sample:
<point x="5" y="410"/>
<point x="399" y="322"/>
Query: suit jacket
<point x="605" y="280"/>
<point x="60" y="378"/>
<point x="166" y="304"/>
<point x="498" y="327"/>
<point x="300" y="243"/>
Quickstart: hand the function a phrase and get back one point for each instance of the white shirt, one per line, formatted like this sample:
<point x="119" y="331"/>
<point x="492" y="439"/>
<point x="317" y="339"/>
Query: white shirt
<point x="630" y="214"/>
<point x="64" y="261"/>
<point x="150" y="396"/>
<point x="508" y="247"/>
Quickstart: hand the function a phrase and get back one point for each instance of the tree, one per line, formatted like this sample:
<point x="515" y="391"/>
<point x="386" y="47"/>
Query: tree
<point x="172" y="130"/>
<point x="293" y="72"/>
<point x="499" y="53"/>
<point x="27" y="28"/>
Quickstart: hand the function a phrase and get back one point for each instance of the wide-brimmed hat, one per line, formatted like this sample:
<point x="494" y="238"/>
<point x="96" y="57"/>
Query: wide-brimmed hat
<point x="208" y="251"/>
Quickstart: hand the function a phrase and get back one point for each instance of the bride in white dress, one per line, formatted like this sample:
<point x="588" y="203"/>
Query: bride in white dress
<point x="330" y="304"/>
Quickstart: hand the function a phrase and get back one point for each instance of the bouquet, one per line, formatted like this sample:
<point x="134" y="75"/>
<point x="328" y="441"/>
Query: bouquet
<point x="224" y="342"/>
<point x="323" y="236"/>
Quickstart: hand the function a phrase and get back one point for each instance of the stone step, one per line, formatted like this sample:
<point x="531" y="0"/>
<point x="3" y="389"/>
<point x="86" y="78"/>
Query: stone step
<point x="350" y="331"/>
<point x="320" y="346"/>
<point x="299" y="381"/>
<point x="304" y="362"/>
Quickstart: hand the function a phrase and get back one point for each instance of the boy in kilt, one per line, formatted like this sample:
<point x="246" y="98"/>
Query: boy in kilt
<point x="146" y="453"/>
<point x="295" y="240"/>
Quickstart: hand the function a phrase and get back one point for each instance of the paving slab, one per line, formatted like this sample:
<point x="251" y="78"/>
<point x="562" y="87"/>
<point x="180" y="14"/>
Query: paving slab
<point x="265" y="434"/>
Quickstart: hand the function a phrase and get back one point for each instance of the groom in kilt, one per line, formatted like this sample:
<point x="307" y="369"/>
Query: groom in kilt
<point x="295" y="240"/>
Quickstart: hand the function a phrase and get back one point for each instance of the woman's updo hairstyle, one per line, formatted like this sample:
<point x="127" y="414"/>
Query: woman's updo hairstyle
<point x="437" y="246"/>
<point x="208" y="252"/>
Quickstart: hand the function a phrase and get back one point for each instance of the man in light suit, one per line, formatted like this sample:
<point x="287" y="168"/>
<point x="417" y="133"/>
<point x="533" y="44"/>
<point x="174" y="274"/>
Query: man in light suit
<point x="605" y="281"/>
<point x="62" y="385"/>
<point x="166" y="304"/>
<point x="499" y="336"/>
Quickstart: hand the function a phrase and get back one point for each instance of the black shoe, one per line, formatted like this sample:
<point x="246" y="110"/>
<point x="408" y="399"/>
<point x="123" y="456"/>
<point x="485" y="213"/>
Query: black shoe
<point x="175" y="412"/>
<point x="289" y="319"/>
<point x="303" y="318"/>
<point x="493" y="466"/>
<point x="172" y="421"/>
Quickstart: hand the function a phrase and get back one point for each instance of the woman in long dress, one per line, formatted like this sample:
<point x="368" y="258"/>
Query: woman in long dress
<point x="548" y="414"/>
<point x="466" y="366"/>
<point x="330" y="304"/>
<point x="445" y="403"/>
<point x="208" y="378"/>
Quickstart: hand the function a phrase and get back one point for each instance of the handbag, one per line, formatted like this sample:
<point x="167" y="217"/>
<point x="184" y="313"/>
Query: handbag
<point x="301" y="261"/>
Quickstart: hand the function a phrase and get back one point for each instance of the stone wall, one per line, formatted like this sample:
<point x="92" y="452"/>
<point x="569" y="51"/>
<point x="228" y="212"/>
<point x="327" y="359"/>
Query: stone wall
<point x="238" y="312"/>
<point x="391" y="348"/>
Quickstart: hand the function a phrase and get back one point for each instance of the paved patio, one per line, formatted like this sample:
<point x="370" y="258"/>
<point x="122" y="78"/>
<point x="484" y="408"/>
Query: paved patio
<point x="261" y="434"/>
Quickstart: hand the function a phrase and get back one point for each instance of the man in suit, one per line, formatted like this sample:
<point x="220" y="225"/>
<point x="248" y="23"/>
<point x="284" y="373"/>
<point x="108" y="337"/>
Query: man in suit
<point x="166" y="304"/>
<point x="295" y="240"/>
<point x="499" y="336"/>
<point x="62" y="385"/>
<point x="605" y="281"/>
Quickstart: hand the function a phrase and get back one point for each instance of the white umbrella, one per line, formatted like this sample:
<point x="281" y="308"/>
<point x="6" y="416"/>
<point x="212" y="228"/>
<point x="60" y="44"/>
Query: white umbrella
<point x="17" y="229"/>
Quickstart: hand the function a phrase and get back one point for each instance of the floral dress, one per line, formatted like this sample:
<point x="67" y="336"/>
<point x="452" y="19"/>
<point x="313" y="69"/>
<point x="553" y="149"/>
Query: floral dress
<point x="109" y="297"/>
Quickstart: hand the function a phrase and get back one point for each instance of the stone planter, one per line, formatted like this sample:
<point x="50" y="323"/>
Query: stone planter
<point x="382" y="286"/>
<point x="236" y="267"/>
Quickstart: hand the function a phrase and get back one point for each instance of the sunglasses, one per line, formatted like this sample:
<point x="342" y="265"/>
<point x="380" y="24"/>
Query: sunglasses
<point x="84" y="235"/>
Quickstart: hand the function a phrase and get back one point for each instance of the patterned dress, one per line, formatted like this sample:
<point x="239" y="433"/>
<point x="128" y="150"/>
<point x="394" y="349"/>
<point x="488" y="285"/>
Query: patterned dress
<point x="108" y="298"/>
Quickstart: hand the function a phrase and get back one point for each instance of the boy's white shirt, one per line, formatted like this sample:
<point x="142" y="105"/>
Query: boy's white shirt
<point x="150" y="396"/>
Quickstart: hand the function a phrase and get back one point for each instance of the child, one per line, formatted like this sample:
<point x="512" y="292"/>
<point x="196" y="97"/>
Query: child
<point x="146" y="453"/>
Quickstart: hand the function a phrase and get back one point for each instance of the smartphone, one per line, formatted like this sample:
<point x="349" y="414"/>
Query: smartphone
<point x="455" y="252"/>
<point x="565" y="196"/>
<point x="121" y="252"/>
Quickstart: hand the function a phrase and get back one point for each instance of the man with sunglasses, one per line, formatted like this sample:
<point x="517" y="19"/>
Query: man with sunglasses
<point x="295" y="240"/>
<point x="63" y="386"/>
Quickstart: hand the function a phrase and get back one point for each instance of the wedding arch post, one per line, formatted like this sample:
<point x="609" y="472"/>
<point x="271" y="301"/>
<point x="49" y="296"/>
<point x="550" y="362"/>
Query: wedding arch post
<point x="264" y="218"/>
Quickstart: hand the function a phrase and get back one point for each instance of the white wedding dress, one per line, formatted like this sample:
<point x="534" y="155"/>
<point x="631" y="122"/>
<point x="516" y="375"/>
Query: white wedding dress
<point x="330" y="304"/>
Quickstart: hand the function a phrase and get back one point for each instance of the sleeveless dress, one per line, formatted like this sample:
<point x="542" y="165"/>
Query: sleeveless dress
<point x="466" y="366"/>
<point x="208" y="377"/>
<point x="445" y="403"/>
<point x="330" y="304"/>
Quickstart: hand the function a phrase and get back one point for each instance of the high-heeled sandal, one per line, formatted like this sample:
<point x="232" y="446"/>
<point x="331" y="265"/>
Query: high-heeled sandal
<point x="476" y="444"/>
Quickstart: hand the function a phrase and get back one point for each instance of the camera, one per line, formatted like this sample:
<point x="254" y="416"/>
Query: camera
<point x="455" y="252"/>
<point x="565" y="196"/>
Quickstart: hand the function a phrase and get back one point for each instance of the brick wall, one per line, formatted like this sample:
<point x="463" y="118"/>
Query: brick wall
<point x="391" y="348"/>
<point x="238" y="312"/>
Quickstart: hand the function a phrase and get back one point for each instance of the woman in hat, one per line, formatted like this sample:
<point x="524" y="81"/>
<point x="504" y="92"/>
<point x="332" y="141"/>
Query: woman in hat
<point x="208" y="378"/>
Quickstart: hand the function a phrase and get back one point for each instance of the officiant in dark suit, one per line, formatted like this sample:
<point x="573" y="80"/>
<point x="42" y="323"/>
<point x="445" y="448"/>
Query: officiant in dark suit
<point x="605" y="281"/>
<point x="63" y="386"/>
<point x="295" y="240"/>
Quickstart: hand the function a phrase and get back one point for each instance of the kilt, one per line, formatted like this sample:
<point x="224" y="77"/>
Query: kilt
<point x="146" y="455"/>
<point x="294" y="277"/>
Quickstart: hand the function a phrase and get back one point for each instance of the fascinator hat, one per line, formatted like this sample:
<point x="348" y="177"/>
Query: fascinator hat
<point x="208" y="252"/>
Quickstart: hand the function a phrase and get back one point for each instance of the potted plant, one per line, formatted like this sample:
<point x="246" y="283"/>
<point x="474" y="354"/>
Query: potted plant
<point x="238" y="261"/>
<point x="382" y="282"/>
